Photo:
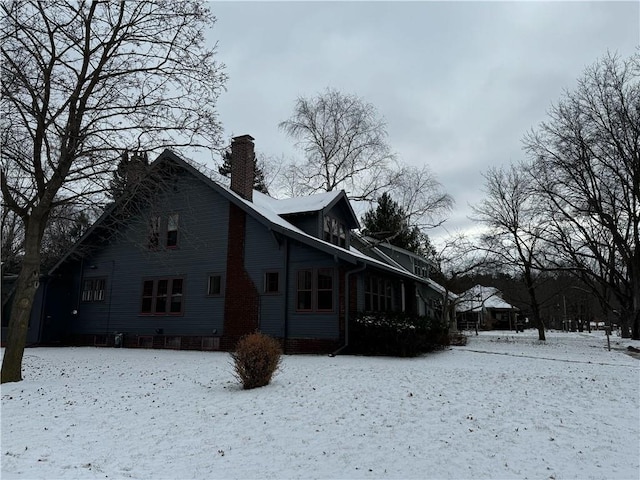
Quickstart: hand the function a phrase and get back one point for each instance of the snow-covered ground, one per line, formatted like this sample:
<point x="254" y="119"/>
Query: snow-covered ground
<point x="504" y="406"/>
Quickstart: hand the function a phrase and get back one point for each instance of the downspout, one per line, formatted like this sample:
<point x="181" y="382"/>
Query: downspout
<point x="111" y="282"/>
<point x="347" y="276"/>
<point x="286" y="293"/>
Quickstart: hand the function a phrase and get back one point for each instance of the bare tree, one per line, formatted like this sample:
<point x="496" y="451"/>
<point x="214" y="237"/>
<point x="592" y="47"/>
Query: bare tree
<point x="587" y="169"/>
<point x="457" y="257"/>
<point x="81" y="82"/>
<point x="345" y="145"/>
<point x="515" y="228"/>
<point x="421" y="196"/>
<point x="12" y="241"/>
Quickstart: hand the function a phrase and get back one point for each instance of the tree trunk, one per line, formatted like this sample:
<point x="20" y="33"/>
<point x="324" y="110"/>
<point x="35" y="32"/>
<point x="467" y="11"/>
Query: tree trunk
<point x="623" y="322"/>
<point x="27" y="285"/>
<point x="535" y="307"/>
<point x="635" y="317"/>
<point x="538" y="321"/>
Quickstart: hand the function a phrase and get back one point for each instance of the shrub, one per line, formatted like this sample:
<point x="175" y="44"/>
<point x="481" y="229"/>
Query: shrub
<point x="458" y="339"/>
<point x="256" y="359"/>
<point x="396" y="334"/>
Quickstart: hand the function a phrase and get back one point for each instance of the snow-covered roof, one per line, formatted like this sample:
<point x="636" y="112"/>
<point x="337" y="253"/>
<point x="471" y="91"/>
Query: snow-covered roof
<point x="481" y="297"/>
<point x="439" y="288"/>
<point x="269" y="211"/>
<point x="287" y="206"/>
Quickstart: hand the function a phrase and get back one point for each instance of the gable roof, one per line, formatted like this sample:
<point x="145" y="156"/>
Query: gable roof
<point x="319" y="202"/>
<point x="265" y="210"/>
<point x="480" y="297"/>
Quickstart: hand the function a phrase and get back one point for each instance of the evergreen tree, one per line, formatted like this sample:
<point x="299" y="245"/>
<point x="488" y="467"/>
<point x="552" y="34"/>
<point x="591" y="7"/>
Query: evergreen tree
<point x="259" y="182"/>
<point x="388" y="223"/>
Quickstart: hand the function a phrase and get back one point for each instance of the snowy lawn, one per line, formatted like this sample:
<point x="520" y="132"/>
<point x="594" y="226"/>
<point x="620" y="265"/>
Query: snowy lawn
<point x="504" y="406"/>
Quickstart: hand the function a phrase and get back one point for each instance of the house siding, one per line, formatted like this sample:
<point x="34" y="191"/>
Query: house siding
<point x="265" y="252"/>
<point x="321" y="325"/>
<point x="126" y="261"/>
<point x="218" y="235"/>
<point x="308" y="223"/>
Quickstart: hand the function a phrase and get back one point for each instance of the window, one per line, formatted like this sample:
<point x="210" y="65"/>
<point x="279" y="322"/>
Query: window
<point x="421" y="270"/>
<point x="342" y="240"/>
<point x="154" y="232"/>
<point x="172" y="230"/>
<point x="93" y="289"/>
<point x="175" y="304"/>
<point x="162" y="296"/>
<point x="147" y="297"/>
<point x="334" y="232"/>
<point x="325" y="289"/>
<point x="214" y="285"/>
<point x="378" y="294"/>
<point x="327" y="228"/>
<point x="315" y="290"/>
<point x="305" y="289"/>
<point x="157" y="231"/>
<point x="271" y="282"/>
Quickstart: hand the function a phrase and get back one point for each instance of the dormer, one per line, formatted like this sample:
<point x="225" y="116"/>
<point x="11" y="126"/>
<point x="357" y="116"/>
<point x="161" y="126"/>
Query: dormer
<point x="327" y="216"/>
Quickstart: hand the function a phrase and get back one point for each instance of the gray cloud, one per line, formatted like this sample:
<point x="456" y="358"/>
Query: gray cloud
<point x="458" y="83"/>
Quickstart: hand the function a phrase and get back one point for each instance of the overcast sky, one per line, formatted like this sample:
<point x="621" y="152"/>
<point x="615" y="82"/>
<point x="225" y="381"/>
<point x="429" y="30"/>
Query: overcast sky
<point x="458" y="83"/>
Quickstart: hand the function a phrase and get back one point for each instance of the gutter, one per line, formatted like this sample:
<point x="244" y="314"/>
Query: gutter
<point x="347" y="275"/>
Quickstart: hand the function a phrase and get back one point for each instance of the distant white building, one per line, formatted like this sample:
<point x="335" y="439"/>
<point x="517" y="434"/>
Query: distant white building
<point x="485" y="307"/>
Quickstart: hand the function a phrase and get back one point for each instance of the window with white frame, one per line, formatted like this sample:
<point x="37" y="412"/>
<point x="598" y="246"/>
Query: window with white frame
<point x="93" y="289"/>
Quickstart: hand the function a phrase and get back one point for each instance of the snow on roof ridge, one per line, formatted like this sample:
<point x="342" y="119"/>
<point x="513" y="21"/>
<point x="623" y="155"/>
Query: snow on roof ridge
<point x="290" y="205"/>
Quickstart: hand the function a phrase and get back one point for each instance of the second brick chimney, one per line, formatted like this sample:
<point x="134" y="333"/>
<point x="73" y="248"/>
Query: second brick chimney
<point x="242" y="166"/>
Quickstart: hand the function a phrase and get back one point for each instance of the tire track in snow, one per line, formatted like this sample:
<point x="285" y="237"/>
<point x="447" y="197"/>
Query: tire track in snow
<point x="549" y="358"/>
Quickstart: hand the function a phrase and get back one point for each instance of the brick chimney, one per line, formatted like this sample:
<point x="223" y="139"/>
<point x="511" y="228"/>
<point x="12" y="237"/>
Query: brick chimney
<point x="242" y="166"/>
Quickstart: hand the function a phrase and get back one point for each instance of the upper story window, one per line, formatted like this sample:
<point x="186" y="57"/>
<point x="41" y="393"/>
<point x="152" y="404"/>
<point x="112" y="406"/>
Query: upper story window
<point x="421" y="269"/>
<point x="334" y="231"/>
<point x="154" y="232"/>
<point x="172" y="230"/>
<point x="168" y="230"/>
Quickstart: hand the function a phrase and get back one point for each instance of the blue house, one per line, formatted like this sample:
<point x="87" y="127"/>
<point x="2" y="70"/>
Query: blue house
<point x="197" y="265"/>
